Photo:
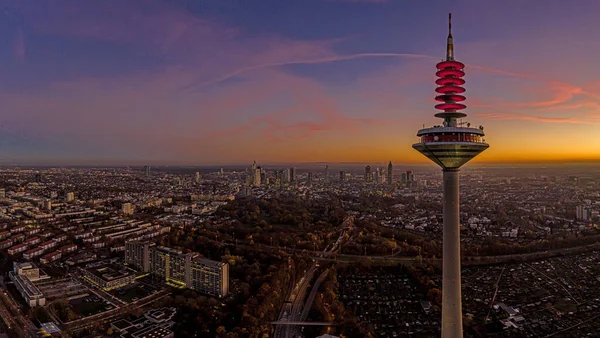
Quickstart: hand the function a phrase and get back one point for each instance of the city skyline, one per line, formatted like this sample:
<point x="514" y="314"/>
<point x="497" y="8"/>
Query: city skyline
<point x="317" y="81"/>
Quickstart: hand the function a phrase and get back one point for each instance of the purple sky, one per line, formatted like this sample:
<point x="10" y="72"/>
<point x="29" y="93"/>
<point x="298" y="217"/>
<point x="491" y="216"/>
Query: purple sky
<point x="217" y="82"/>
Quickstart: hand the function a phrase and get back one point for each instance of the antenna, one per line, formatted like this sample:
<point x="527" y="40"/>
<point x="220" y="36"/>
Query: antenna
<point x="449" y="42"/>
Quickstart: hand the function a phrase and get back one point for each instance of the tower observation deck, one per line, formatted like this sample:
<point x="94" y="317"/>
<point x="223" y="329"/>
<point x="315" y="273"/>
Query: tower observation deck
<point x="450" y="146"/>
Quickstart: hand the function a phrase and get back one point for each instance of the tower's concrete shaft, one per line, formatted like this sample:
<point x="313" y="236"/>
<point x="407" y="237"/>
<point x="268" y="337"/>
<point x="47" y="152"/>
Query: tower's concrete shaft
<point x="451" y="295"/>
<point x="450" y="146"/>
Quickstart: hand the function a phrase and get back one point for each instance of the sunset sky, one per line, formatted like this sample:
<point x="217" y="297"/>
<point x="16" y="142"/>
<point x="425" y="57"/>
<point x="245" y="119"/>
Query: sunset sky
<point x="231" y="81"/>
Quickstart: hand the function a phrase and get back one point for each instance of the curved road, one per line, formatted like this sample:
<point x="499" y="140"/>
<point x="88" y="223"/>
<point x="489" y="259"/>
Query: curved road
<point x="293" y="309"/>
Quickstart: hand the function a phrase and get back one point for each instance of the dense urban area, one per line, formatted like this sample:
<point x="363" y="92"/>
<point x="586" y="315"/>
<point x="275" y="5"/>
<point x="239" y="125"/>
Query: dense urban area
<point x="304" y="251"/>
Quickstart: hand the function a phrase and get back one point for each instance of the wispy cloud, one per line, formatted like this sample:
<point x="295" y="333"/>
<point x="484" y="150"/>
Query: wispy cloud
<point x="334" y="58"/>
<point x="559" y="94"/>
<point x="311" y="111"/>
<point x="514" y="116"/>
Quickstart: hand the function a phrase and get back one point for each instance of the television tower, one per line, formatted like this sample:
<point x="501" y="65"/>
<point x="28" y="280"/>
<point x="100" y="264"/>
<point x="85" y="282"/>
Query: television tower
<point x="450" y="146"/>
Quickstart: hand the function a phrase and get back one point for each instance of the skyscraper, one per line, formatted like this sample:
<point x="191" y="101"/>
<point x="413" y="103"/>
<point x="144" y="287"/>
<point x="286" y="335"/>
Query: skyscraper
<point x="292" y="174"/>
<point x="256" y="177"/>
<point x="197" y="177"/>
<point x="342" y="175"/>
<point x="379" y="176"/>
<point x="147" y="170"/>
<point x="450" y="146"/>
<point x="368" y="177"/>
<point x="390" y="173"/>
<point x="410" y="178"/>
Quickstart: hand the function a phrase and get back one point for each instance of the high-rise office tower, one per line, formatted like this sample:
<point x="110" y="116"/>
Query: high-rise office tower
<point x="342" y="175"/>
<point x="390" y="173"/>
<point x="256" y="177"/>
<point x="197" y="177"/>
<point x="404" y="180"/>
<point x="310" y="177"/>
<point x="292" y="174"/>
<point x="368" y="177"/>
<point x="147" y="170"/>
<point x="410" y="177"/>
<point x="379" y="177"/>
<point x="263" y="178"/>
<point x="450" y="146"/>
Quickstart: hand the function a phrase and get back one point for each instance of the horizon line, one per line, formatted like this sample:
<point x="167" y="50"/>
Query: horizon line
<point x="278" y="163"/>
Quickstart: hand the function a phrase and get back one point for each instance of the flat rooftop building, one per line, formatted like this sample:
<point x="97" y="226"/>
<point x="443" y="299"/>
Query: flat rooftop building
<point x="108" y="277"/>
<point x="22" y="276"/>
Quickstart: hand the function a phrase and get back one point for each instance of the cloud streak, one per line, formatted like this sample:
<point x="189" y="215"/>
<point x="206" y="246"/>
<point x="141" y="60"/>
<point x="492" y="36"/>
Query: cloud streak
<point x="336" y="58"/>
<point x="523" y="117"/>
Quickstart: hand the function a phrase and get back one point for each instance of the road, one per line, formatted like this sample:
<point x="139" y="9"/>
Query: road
<point x="554" y="281"/>
<point x="104" y="317"/>
<point x="495" y="294"/>
<point x="22" y="325"/>
<point x="10" y="321"/>
<point x="312" y="295"/>
<point x="294" y="308"/>
<point x="298" y="302"/>
<point x="114" y="301"/>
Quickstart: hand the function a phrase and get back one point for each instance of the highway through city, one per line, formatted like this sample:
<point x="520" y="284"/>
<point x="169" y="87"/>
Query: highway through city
<point x="312" y="295"/>
<point x="295" y="306"/>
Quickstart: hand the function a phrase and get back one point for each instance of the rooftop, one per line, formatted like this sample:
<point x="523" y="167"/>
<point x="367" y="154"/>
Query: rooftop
<point x="109" y="272"/>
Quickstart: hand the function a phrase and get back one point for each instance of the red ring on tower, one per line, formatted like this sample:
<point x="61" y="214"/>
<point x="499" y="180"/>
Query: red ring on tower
<point x="450" y="80"/>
